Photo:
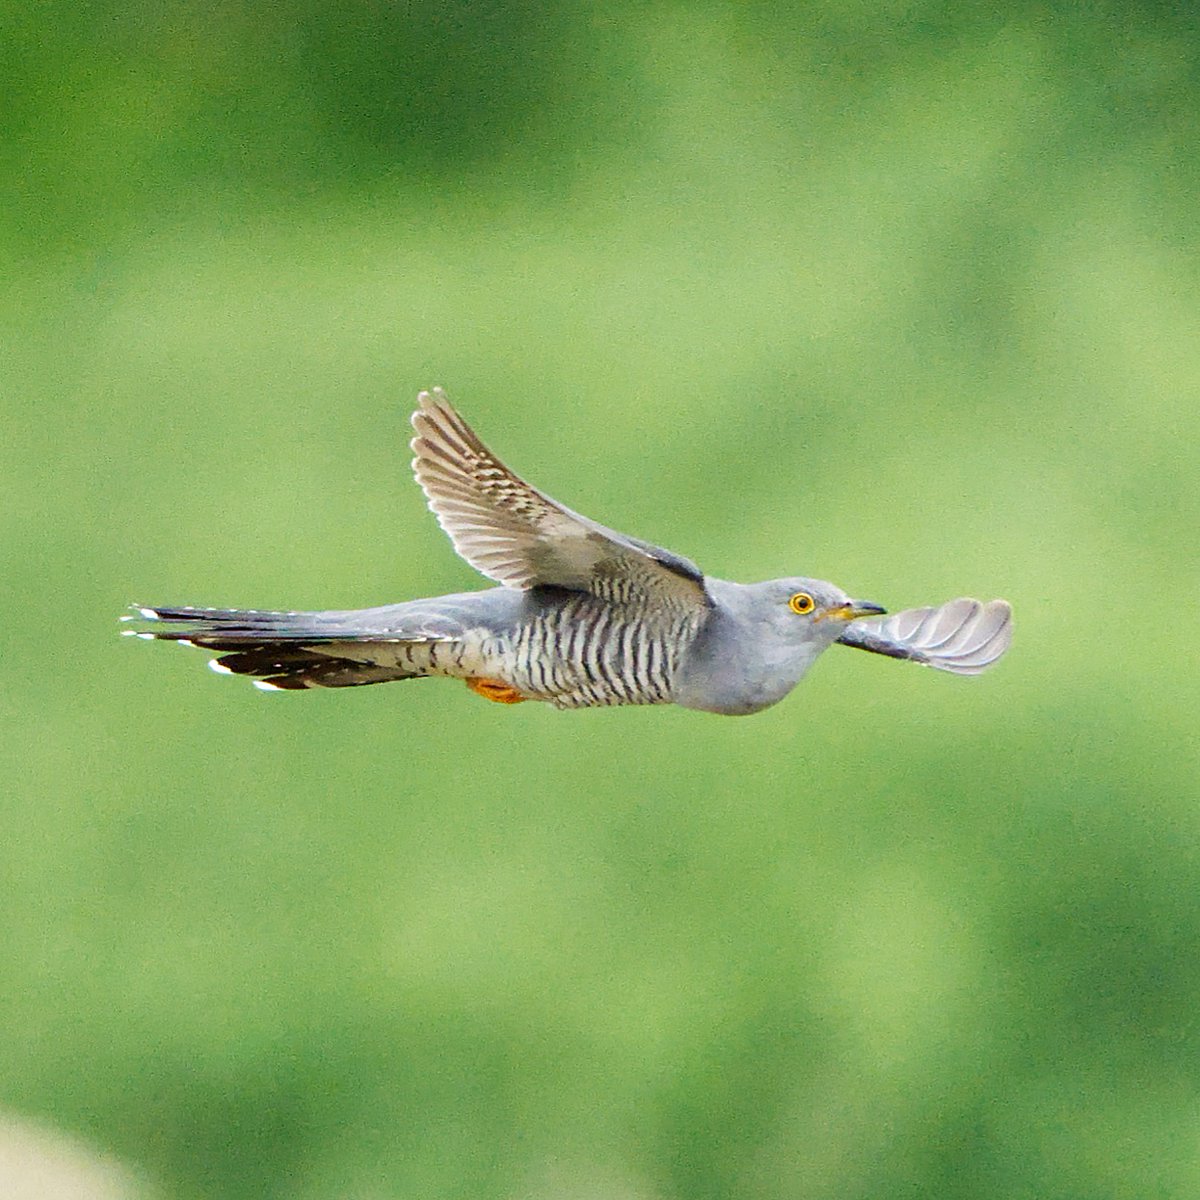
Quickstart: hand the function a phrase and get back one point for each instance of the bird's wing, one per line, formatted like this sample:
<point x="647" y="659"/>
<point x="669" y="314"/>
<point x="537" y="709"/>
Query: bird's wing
<point x="963" y="636"/>
<point x="520" y="537"/>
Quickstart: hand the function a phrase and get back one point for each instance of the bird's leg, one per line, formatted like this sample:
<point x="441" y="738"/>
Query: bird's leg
<point x="495" y="689"/>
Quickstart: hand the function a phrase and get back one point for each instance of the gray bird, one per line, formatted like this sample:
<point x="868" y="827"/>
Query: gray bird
<point x="584" y="616"/>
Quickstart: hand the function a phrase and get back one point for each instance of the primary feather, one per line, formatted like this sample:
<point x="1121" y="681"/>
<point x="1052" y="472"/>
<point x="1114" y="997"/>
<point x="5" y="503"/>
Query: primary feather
<point x="962" y="636"/>
<point x="518" y="536"/>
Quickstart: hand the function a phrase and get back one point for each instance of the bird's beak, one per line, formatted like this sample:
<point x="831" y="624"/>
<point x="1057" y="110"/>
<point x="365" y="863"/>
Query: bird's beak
<point x="853" y="610"/>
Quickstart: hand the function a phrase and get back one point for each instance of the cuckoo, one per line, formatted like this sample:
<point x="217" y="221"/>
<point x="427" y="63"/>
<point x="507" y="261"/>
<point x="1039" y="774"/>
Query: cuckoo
<point x="583" y="616"/>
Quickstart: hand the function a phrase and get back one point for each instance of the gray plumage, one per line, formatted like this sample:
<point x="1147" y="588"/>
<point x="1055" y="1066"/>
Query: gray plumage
<point x="584" y="616"/>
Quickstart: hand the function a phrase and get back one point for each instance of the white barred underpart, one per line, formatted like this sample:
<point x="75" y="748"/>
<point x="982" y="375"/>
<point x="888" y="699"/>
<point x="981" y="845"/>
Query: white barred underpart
<point x="586" y="653"/>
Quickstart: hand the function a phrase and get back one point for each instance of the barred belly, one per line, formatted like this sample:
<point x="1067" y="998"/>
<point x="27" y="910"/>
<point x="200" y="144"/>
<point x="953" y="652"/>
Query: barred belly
<point x="588" y="652"/>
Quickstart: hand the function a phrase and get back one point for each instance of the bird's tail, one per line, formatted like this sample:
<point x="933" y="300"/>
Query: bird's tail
<point x="292" y="650"/>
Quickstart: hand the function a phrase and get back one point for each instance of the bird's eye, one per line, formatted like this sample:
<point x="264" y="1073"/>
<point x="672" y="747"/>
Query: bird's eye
<point x="802" y="603"/>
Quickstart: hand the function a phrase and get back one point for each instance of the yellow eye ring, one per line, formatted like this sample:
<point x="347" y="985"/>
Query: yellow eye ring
<point x="802" y="604"/>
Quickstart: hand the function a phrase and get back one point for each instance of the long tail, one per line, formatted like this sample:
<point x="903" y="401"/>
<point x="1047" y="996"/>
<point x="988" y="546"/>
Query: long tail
<point x="291" y="651"/>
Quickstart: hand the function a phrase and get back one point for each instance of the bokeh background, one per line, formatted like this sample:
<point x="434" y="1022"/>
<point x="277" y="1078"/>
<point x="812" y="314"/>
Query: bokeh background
<point x="901" y="295"/>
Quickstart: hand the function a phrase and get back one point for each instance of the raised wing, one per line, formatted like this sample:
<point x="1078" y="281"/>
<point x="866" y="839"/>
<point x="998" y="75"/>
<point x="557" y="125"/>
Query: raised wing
<point x="963" y="636"/>
<point x="520" y="537"/>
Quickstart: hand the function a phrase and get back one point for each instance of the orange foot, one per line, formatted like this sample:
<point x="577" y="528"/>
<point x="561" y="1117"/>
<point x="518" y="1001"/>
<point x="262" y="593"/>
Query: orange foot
<point x="493" y="689"/>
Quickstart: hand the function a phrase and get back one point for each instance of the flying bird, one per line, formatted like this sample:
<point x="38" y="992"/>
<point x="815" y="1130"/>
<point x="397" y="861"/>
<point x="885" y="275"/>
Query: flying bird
<point x="583" y="617"/>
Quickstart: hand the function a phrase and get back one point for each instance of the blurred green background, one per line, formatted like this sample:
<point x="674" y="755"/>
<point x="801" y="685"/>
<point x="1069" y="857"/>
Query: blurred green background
<point x="900" y="295"/>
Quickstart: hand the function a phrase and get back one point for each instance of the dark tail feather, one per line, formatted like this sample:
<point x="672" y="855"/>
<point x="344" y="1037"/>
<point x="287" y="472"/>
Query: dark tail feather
<point x="284" y="666"/>
<point x="287" y="651"/>
<point x="232" y="623"/>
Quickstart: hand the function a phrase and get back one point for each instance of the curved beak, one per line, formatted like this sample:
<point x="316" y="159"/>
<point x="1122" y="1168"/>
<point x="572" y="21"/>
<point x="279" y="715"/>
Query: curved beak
<point x="853" y="610"/>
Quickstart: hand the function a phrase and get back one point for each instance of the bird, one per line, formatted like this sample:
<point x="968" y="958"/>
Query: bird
<point x="582" y="616"/>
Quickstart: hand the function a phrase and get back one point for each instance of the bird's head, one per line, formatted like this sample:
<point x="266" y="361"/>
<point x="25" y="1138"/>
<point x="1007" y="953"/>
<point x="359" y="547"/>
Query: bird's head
<point x="801" y="610"/>
<point x="761" y="640"/>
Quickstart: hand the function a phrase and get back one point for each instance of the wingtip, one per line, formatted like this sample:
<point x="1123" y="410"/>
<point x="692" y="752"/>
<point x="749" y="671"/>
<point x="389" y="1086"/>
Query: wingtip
<point x="964" y="636"/>
<point x="429" y="397"/>
<point x="430" y="402"/>
<point x="991" y="641"/>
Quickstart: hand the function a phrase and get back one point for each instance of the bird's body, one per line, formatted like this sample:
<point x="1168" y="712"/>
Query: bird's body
<point x="568" y="648"/>
<point x="585" y="617"/>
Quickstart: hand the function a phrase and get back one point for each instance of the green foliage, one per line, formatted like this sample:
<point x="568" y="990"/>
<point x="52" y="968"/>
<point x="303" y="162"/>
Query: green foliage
<point x="896" y="296"/>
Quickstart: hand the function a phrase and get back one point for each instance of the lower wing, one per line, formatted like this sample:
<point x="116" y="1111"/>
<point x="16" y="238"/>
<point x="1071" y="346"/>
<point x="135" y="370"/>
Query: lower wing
<point x="963" y="636"/>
